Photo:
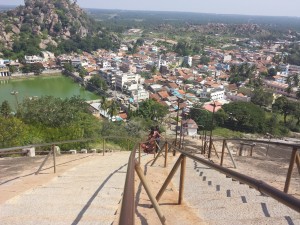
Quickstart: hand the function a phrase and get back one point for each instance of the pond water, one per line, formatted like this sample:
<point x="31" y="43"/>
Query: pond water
<point x="57" y="86"/>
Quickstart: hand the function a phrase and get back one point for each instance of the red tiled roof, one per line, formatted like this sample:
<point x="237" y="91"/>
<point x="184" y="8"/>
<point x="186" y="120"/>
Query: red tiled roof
<point x="123" y="115"/>
<point x="163" y="94"/>
<point x="181" y="92"/>
<point x="210" y="108"/>
<point x="155" y="97"/>
<point x="173" y="85"/>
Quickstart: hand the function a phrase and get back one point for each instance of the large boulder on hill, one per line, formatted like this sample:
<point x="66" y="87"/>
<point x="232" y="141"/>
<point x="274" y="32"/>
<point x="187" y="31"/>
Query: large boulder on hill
<point x="60" y="18"/>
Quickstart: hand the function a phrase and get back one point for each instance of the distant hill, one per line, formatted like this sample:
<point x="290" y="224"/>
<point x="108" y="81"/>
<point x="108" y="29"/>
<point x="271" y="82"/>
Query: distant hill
<point x="7" y="7"/>
<point x="204" y="23"/>
<point x="45" y="24"/>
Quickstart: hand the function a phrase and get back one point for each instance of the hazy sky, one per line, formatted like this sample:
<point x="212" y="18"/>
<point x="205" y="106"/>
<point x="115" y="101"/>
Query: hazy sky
<point x="248" y="7"/>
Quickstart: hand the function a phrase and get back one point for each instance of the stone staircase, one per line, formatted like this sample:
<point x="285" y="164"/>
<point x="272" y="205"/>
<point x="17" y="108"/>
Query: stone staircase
<point x="220" y="201"/>
<point x="89" y="193"/>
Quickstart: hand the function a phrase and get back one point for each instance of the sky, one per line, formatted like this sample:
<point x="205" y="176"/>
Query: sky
<point x="243" y="7"/>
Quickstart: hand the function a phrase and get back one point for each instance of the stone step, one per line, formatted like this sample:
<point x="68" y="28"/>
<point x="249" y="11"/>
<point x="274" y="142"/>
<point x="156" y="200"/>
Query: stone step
<point x="59" y="220"/>
<point x="270" y="209"/>
<point x="257" y="221"/>
<point x="60" y="199"/>
<point x="38" y="210"/>
<point x="246" y="211"/>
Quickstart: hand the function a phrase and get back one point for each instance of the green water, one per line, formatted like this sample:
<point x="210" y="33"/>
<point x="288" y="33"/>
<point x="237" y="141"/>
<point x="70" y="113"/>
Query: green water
<point x="58" y="86"/>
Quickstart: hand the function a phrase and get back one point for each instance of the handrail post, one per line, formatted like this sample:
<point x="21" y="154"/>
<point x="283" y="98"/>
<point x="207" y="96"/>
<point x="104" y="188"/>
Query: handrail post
<point x="290" y="170"/>
<point x="298" y="162"/>
<point x="103" y="146"/>
<point x="169" y="178"/>
<point x="231" y="157"/>
<point x="166" y="153"/>
<point x="153" y="200"/>
<point x="158" y="154"/>
<point x="140" y="153"/>
<point x="127" y="144"/>
<point x="43" y="163"/>
<point x="182" y="176"/>
<point x="54" y="158"/>
<point x="223" y="151"/>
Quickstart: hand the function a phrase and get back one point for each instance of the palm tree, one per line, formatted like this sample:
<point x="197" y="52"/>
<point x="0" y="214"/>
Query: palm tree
<point x="296" y="80"/>
<point x="298" y="94"/>
<point x="104" y="104"/>
<point x="289" y="83"/>
<point x="113" y="109"/>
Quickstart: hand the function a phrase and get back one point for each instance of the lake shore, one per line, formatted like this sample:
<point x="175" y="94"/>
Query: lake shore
<point x="31" y="75"/>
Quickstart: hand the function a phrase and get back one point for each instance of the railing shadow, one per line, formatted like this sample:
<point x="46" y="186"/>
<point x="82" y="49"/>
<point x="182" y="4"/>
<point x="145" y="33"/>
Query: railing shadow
<point x="87" y="205"/>
<point x="26" y="175"/>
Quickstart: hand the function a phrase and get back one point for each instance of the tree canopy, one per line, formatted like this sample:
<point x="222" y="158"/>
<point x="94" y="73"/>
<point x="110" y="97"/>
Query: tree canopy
<point x="152" y="110"/>
<point x="243" y="116"/>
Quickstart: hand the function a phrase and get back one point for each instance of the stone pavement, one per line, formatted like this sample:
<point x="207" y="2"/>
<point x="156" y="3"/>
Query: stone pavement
<point x="88" y="193"/>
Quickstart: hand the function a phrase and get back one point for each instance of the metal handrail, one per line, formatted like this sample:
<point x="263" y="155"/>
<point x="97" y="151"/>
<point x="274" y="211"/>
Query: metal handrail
<point x="261" y="186"/>
<point x="261" y="141"/>
<point x="127" y="213"/>
<point x="63" y="142"/>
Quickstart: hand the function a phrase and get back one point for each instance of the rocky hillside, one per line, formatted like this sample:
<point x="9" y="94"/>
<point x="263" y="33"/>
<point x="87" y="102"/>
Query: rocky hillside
<point x="52" y="21"/>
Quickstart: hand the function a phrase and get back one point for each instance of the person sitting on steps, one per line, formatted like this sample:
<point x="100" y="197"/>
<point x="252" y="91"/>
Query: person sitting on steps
<point x="150" y="145"/>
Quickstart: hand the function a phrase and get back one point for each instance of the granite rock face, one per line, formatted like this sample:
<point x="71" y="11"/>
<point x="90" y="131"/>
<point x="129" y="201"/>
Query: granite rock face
<point x="55" y="19"/>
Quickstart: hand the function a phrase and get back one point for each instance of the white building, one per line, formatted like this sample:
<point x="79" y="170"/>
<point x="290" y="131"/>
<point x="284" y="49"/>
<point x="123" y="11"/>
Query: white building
<point x="227" y="58"/>
<point x="105" y="64"/>
<point x="190" y="127"/>
<point x="238" y="97"/>
<point x="213" y="93"/>
<point x="188" y="60"/>
<point x="48" y="55"/>
<point x="33" y="59"/>
<point x="4" y="71"/>
<point x="126" y="78"/>
<point x="123" y="47"/>
<point x="140" y="94"/>
<point x="217" y="94"/>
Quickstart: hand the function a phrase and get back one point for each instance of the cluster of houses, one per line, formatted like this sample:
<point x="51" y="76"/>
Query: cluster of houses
<point x="148" y="74"/>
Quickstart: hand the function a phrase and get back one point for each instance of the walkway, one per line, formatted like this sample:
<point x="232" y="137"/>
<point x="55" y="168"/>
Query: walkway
<point x="88" y="193"/>
<point x="221" y="201"/>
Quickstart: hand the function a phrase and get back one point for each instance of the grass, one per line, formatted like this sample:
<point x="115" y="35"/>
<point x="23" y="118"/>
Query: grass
<point x="226" y="133"/>
<point x="109" y="145"/>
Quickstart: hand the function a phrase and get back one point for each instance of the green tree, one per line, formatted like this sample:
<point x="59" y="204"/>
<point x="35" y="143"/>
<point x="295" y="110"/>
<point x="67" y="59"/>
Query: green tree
<point x="183" y="48"/>
<point x="12" y="69"/>
<point x="69" y="68"/>
<point x="153" y="70"/>
<point x="272" y="72"/>
<point x="50" y="111"/>
<point x="82" y="72"/>
<point x="104" y="104"/>
<point x="140" y="41"/>
<point x="298" y="94"/>
<point x="202" y="117"/>
<point x="152" y="110"/>
<point x="113" y="108"/>
<point x="245" y="117"/>
<point x="204" y="60"/>
<point x="261" y="97"/>
<point x="98" y="82"/>
<point x="296" y="112"/>
<point x="295" y="80"/>
<point x="5" y="109"/>
<point x="37" y="68"/>
<point x="283" y="106"/>
<point x="26" y="68"/>
<point x="13" y="132"/>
